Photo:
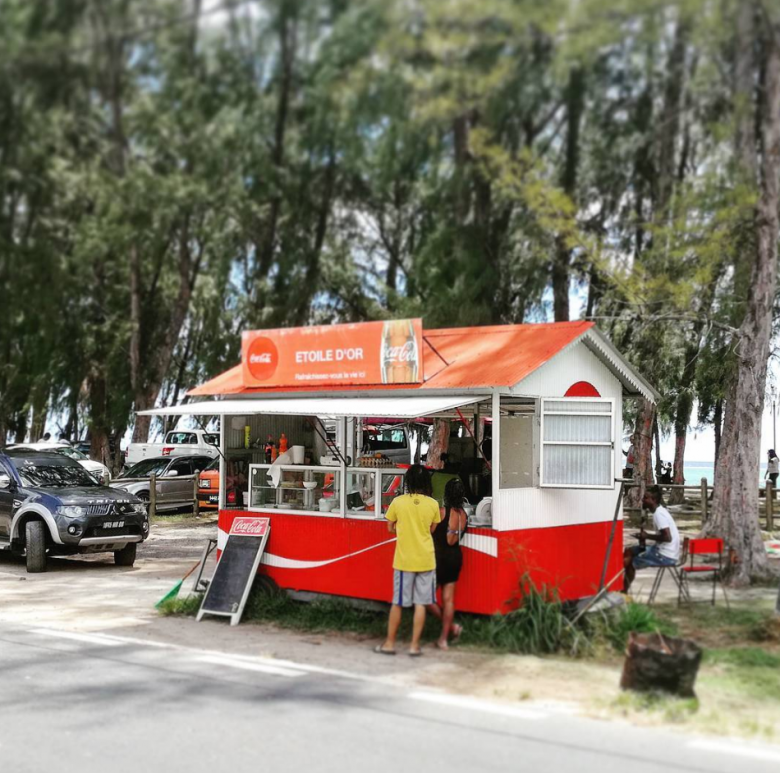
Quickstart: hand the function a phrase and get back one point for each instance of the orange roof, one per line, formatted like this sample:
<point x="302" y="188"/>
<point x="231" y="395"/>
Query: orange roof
<point x="453" y="358"/>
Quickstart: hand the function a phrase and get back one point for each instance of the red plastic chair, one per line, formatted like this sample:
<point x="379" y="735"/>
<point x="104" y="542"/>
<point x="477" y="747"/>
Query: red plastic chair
<point x="703" y="547"/>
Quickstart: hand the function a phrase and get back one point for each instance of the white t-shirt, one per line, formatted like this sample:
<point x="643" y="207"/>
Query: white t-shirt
<point x="662" y="519"/>
<point x="773" y="465"/>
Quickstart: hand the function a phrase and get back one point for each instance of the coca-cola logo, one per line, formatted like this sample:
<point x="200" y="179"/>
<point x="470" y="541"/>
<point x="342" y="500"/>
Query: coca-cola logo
<point x="405" y="353"/>
<point x="262" y="358"/>
<point x="249" y="527"/>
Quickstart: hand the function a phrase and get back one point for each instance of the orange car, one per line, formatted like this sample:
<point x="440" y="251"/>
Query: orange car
<point x="208" y="487"/>
<point x="237" y="479"/>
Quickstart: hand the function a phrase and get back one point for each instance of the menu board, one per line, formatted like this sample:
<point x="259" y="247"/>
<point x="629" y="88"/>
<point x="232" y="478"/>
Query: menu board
<point x="229" y="587"/>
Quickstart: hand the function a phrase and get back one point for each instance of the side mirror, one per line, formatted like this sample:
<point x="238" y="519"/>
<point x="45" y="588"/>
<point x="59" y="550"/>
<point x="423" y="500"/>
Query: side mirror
<point x="5" y="481"/>
<point x="171" y="474"/>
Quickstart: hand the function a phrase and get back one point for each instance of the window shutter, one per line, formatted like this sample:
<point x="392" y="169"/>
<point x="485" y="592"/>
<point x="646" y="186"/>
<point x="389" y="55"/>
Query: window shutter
<point x="578" y="443"/>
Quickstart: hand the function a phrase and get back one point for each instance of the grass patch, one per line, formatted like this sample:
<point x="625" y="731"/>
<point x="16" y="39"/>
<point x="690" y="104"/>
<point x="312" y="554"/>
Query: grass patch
<point x="665" y="707"/>
<point x="718" y="627"/>
<point x="315" y="617"/>
<point x="745" y="672"/>
<point x="181" y="606"/>
<point x="743" y="657"/>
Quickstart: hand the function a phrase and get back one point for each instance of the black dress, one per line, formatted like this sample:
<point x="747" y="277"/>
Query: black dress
<point x="449" y="559"/>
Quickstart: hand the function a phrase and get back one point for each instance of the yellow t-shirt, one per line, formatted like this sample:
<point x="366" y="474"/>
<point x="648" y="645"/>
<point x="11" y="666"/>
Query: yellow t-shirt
<point x="414" y="514"/>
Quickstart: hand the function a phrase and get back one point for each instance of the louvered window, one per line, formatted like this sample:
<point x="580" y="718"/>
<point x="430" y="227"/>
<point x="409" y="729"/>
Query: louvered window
<point x="578" y="443"/>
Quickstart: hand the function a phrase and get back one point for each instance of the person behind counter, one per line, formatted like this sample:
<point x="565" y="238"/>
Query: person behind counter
<point x="449" y="560"/>
<point x="666" y="551"/>
<point x="412" y="517"/>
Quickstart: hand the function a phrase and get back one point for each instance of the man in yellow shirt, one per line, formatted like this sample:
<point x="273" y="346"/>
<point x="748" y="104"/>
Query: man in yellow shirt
<point x="412" y="517"/>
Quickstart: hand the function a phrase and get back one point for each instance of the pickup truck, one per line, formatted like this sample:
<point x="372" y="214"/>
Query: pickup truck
<point x="189" y="442"/>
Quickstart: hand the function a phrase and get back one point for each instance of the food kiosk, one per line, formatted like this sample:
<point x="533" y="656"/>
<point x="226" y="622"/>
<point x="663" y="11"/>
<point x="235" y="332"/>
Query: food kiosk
<point x="537" y="412"/>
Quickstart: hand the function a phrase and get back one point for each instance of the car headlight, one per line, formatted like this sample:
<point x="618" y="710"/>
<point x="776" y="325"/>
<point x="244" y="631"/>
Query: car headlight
<point x="72" y="511"/>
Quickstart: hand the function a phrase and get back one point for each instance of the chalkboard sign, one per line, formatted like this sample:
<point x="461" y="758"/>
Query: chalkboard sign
<point x="229" y="587"/>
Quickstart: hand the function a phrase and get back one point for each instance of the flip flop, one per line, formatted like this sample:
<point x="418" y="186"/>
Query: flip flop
<point x="442" y="647"/>
<point x="415" y="654"/>
<point x="379" y="649"/>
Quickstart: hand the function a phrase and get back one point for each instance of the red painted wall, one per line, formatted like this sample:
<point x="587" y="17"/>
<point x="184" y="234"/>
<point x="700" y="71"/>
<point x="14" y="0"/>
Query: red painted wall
<point x="568" y="558"/>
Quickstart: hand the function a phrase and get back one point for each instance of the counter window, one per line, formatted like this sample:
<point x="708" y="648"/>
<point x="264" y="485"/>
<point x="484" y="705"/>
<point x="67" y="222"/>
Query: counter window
<point x="295" y="487"/>
<point x="577" y="443"/>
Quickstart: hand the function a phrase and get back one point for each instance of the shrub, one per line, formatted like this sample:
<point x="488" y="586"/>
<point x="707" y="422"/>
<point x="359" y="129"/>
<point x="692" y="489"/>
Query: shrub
<point x="537" y="627"/>
<point x="613" y="626"/>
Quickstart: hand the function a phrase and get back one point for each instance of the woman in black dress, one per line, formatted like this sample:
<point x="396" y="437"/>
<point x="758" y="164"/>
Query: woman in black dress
<point x="446" y="541"/>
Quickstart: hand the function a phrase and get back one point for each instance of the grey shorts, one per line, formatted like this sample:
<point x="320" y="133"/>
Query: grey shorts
<point x="410" y="588"/>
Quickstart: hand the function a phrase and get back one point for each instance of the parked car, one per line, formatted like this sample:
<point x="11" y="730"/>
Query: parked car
<point x="50" y="505"/>
<point x="84" y="446"/>
<point x="237" y="487"/>
<point x="208" y="487"/>
<point x="175" y="476"/>
<point x="100" y="471"/>
<point x="177" y="443"/>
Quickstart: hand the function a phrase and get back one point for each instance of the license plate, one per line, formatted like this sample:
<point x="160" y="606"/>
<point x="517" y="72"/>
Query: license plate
<point x="213" y="499"/>
<point x="113" y="524"/>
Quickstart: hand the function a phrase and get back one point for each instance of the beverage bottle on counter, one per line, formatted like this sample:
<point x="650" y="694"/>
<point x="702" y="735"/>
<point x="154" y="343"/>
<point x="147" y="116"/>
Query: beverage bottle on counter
<point x="282" y="444"/>
<point x="269" y="445"/>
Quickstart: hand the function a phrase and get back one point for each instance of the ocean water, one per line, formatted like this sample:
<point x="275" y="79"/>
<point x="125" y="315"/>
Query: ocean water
<point x="695" y="471"/>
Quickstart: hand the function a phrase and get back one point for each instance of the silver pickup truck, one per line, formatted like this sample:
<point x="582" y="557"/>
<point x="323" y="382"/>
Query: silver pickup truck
<point x="175" y="479"/>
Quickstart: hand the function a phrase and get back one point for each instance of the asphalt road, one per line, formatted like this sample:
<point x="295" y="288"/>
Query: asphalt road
<point x="95" y="702"/>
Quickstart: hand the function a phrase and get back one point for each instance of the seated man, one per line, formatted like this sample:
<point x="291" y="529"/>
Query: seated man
<point x="666" y="551"/>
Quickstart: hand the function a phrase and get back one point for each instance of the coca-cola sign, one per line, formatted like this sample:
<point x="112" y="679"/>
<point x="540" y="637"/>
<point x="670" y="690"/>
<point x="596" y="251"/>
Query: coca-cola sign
<point x="405" y="353"/>
<point x="367" y="353"/>
<point x="250" y="527"/>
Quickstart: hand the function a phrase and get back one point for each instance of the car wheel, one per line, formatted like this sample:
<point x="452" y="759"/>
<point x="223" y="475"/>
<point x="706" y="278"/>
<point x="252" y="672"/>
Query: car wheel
<point x="126" y="556"/>
<point x="35" y="544"/>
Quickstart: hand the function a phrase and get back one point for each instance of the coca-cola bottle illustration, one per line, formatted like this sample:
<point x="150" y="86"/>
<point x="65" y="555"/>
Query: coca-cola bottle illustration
<point x="400" y="357"/>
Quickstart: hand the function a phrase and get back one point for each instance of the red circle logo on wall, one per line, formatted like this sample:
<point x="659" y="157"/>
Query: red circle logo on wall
<point x="262" y="358"/>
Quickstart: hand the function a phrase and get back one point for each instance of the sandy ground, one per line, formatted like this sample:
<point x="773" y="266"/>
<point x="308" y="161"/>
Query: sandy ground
<point x="90" y="594"/>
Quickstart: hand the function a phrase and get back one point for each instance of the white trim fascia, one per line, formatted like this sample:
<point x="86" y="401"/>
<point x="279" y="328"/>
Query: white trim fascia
<point x="603" y="348"/>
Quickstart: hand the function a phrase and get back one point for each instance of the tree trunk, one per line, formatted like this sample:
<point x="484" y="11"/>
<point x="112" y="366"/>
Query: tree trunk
<point x="643" y="446"/>
<point x="287" y="53"/>
<point x="21" y="428"/>
<point x="440" y="442"/>
<point x="39" y="418"/>
<point x="682" y="418"/>
<point x="670" y="121"/>
<point x="717" y="422"/>
<point x="735" y="503"/>
<point x="150" y="383"/>
<point x="575" y="105"/>
<point x="657" y="443"/>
